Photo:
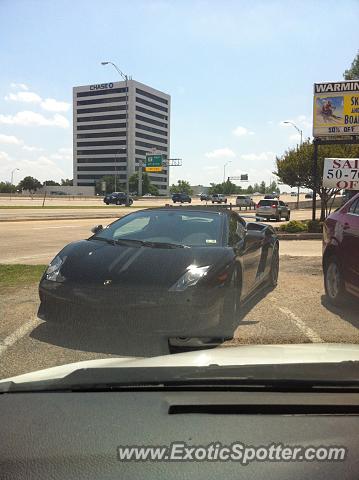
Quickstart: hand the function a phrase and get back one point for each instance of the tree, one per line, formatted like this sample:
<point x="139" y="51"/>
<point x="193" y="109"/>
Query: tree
<point x="110" y="184"/>
<point x="272" y="187"/>
<point x="182" y="187"/>
<point x="294" y="168"/>
<point x="353" y="72"/>
<point x="147" y="186"/>
<point x="7" y="187"/>
<point x="29" y="183"/>
<point x="250" y="190"/>
<point x="51" y="183"/>
<point x="66" y="182"/>
<point x="262" y="187"/>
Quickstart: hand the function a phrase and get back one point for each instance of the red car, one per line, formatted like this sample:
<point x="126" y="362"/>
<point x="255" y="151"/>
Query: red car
<point x="341" y="252"/>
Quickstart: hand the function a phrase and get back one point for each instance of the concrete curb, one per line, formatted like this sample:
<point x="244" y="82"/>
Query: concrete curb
<point x="299" y="236"/>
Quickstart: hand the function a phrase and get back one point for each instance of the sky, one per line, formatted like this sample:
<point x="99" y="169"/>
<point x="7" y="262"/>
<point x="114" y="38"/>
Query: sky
<point x="235" y="70"/>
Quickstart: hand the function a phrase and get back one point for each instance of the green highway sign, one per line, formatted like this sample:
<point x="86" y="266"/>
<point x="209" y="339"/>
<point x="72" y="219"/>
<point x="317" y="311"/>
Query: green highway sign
<point x="154" y="163"/>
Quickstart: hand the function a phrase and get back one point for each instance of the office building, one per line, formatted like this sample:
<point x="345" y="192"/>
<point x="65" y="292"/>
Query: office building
<point x="101" y="144"/>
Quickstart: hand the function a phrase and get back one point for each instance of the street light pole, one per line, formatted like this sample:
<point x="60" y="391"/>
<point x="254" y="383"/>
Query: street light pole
<point x="224" y="170"/>
<point x="301" y="142"/>
<point x="125" y="77"/>
<point x="12" y="180"/>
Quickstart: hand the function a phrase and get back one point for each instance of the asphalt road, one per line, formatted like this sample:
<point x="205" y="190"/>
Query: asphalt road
<point x="35" y="242"/>
<point x="294" y="312"/>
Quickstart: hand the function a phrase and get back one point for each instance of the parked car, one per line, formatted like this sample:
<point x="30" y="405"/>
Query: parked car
<point x="182" y="271"/>
<point x="205" y="197"/>
<point x="244" y="201"/>
<point x="218" y="198"/>
<point x="181" y="198"/>
<point x="293" y="194"/>
<point x="309" y="195"/>
<point x="118" y="198"/>
<point x="272" y="209"/>
<point x="269" y="196"/>
<point x="148" y="195"/>
<point x="341" y="252"/>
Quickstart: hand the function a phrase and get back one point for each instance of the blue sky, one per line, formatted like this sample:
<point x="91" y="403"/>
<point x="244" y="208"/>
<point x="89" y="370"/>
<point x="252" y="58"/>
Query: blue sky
<point x="235" y="71"/>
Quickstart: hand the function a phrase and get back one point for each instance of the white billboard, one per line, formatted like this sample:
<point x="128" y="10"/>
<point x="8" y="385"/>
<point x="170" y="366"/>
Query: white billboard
<point x="342" y="173"/>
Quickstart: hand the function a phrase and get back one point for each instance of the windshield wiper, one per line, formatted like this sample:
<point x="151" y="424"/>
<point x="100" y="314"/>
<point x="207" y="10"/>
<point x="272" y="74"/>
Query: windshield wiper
<point x="103" y="239"/>
<point x="146" y="243"/>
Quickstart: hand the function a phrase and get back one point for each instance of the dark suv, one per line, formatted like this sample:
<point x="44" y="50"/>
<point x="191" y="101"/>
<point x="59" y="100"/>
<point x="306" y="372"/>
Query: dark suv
<point x="118" y="198"/>
<point x="341" y="252"/>
<point x="181" y="198"/>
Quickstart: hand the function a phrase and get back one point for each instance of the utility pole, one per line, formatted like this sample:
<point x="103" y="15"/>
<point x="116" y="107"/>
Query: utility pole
<point x="125" y="77"/>
<point x="301" y="142"/>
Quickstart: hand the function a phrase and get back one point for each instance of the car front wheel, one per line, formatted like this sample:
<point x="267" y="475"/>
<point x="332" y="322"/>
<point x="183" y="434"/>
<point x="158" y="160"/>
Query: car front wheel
<point x="274" y="268"/>
<point x="231" y="305"/>
<point x="333" y="281"/>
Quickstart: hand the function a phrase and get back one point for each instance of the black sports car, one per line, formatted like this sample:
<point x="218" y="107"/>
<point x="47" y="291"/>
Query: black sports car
<point x="171" y="271"/>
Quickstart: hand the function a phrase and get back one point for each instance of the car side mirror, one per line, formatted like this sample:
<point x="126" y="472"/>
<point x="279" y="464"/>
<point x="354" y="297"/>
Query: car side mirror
<point x="96" y="229"/>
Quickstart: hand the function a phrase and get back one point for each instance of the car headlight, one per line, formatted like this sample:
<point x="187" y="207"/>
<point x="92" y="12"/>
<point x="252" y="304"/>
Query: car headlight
<point x="53" y="270"/>
<point x="189" y="278"/>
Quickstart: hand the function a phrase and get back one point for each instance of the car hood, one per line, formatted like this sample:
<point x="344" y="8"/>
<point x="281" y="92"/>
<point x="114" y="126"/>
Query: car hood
<point x="240" y="355"/>
<point x="93" y="262"/>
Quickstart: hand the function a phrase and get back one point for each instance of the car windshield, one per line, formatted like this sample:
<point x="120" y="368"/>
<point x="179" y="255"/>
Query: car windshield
<point x="178" y="179"/>
<point x="191" y="228"/>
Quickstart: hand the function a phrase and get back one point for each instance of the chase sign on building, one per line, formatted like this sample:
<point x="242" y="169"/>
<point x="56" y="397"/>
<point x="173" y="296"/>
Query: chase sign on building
<point x="336" y="109"/>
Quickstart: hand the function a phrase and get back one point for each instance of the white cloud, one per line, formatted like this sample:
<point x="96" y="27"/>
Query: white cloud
<point x="210" y="168"/>
<point x="4" y="157"/>
<point x="295" y="137"/>
<point x="241" y="131"/>
<point x="263" y="156"/>
<point x="52" y="105"/>
<point x="21" y="86"/>
<point x="29" y="118"/>
<point x="42" y="168"/>
<point x="48" y="104"/>
<point x="28" y="148"/>
<point x="221" y="153"/>
<point x="10" y="139"/>
<point x="26" y="97"/>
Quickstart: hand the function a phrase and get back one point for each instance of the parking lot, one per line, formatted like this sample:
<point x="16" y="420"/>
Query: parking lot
<point x="295" y="312"/>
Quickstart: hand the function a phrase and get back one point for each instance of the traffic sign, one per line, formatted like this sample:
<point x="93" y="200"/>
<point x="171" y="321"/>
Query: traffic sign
<point x="153" y="163"/>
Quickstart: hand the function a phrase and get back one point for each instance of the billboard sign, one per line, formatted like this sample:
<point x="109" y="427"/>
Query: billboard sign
<point x="336" y="109"/>
<point x="342" y="173"/>
<point x="153" y="163"/>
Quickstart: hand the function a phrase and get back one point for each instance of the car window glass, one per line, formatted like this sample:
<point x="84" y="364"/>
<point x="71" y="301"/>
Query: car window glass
<point x="267" y="203"/>
<point x="134" y="226"/>
<point x="354" y="207"/>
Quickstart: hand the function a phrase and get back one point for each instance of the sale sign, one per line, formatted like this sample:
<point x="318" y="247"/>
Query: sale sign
<point x="342" y="173"/>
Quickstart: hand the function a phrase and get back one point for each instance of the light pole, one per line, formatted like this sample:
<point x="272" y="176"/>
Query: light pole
<point x="301" y="141"/>
<point x="224" y="170"/>
<point x="12" y="180"/>
<point x="125" y="77"/>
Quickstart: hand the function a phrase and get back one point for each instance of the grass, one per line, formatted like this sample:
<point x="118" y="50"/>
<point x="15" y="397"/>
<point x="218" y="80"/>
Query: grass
<point x="13" y="275"/>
